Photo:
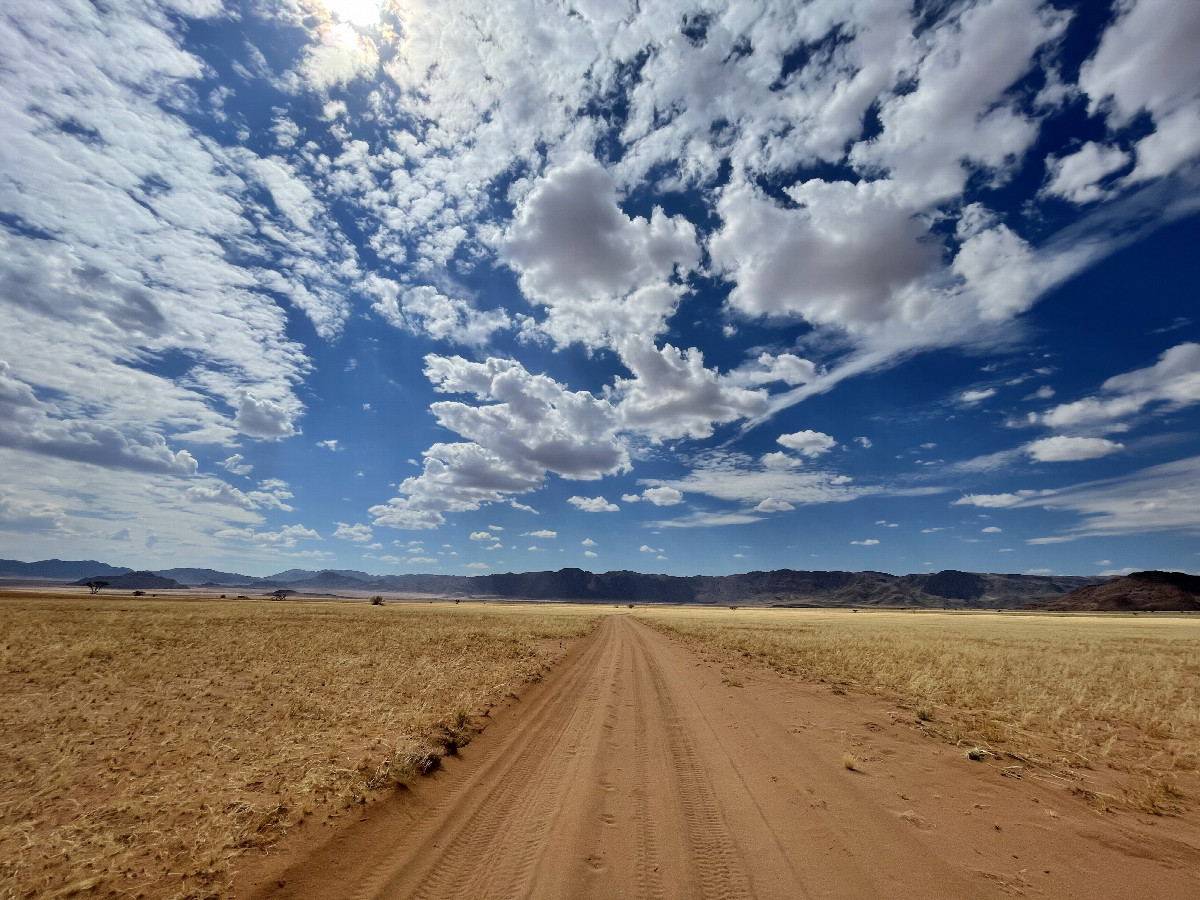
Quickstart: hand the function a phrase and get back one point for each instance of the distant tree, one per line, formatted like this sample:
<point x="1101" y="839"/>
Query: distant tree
<point x="281" y="594"/>
<point x="377" y="600"/>
<point x="94" y="585"/>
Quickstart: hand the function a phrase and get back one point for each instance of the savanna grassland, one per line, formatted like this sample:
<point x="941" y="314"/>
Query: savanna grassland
<point x="1109" y="703"/>
<point x="145" y="743"/>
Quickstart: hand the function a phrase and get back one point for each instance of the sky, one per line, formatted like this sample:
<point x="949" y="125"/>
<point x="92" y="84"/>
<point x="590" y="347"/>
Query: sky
<point x="691" y="288"/>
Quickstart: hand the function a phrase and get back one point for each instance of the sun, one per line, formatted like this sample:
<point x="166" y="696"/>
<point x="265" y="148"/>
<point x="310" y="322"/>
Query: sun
<point x="360" y="13"/>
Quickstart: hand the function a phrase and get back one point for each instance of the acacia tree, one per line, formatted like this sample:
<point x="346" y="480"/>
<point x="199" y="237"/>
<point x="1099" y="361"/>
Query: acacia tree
<point x="94" y="585"/>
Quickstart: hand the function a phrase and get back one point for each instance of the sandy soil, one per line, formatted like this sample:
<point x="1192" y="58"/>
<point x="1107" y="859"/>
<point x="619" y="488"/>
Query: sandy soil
<point x="638" y="769"/>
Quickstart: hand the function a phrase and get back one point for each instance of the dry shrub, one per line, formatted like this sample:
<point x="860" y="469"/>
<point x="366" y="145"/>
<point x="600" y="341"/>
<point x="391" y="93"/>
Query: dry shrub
<point x="1062" y="692"/>
<point x="146" y="743"/>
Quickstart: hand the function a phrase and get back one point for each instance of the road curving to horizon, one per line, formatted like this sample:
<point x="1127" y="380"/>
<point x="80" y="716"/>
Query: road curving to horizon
<point x="639" y="769"/>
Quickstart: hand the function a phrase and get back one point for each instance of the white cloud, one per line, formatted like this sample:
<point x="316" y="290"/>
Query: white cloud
<point x="864" y="442"/>
<point x="1077" y="177"/>
<point x="285" y="538"/>
<point x="425" y="310"/>
<point x="663" y="496"/>
<point x="1001" y="501"/>
<point x="673" y="395"/>
<point x="340" y="55"/>
<point x="263" y="418"/>
<point x="970" y="398"/>
<point x="357" y="533"/>
<point x="1068" y="449"/>
<point x="331" y="444"/>
<point x="598" y="273"/>
<point x="992" y="529"/>
<point x="810" y="443"/>
<point x="1161" y="498"/>
<point x="646" y="548"/>
<point x="481" y="536"/>
<point x="1147" y="61"/>
<point x="544" y="533"/>
<point x="590" y="554"/>
<point x="477" y="565"/>
<point x="237" y="465"/>
<point x="534" y="426"/>
<point x="770" y="505"/>
<point x="588" y="542"/>
<point x="1173" y="381"/>
<point x="593" y="504"/>
<point x="869" y="542"/>
<point x="841" y="258"/>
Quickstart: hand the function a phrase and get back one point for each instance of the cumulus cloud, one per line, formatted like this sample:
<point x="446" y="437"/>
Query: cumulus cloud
<point x="593" y="504"/>
<point x="237" y="465"/>
<point x="543" y="533"/>
<point x="598" y="273"/>
<point x="263" y="418"/>
<point x="531" y="427"/>
<point x="359" y="533"/>
<point x="1068" y="449"/>
<point x="588" y="542"/>
<point x="1147" y="61"/>
<point x="869" y="542"/>
<point x="809" y="443"/>
<point x="1078" y="177"/>
<point x="426" y="310"/>
<point x="590" y="554"/>
<point x="285" y="538"/>
<point x="663" y="496"/>
<point x="673" y="395"/>
<point x="770" y="505"/>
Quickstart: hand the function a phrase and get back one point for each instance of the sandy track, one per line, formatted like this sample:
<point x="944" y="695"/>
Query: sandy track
<point x="639" y="770"/>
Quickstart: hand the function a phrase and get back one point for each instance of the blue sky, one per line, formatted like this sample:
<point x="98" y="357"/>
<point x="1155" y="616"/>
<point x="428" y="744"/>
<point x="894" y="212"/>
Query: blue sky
<point x="673" y="287"/>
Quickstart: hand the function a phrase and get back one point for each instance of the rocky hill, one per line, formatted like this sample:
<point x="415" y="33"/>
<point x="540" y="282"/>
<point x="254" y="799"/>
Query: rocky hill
<point x="134" y="581"/>
<point x="1137" y="592"/>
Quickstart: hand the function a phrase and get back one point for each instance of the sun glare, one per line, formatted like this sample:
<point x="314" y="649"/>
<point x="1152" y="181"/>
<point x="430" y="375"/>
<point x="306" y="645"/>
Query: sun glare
<point x="357" y="12"/>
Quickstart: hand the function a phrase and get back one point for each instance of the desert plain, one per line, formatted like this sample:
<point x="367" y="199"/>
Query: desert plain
<point x="188" y="748"/>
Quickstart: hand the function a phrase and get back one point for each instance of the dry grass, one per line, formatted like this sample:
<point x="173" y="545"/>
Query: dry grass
<point x="1059" y="692"/>
<point x="145" y="743"/>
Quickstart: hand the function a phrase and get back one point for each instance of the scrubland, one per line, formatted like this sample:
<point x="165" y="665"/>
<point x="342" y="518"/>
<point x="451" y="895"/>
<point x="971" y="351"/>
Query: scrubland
<point x="1109" y="704"/>
<point x="146" y="743"/>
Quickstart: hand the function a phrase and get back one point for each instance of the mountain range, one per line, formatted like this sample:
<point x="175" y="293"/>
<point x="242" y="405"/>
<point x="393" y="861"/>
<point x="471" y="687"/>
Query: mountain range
<point x="783" y="587"/>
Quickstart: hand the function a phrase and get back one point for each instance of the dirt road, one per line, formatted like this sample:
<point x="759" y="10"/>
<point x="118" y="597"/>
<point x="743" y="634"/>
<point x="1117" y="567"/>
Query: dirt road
<point x="638" y="769"/>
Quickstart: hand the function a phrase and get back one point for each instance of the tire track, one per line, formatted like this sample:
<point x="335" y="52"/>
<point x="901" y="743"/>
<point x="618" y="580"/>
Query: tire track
<point x="715" y="859"/>
<point x="461" y="842"/>
<point x="526" y="790"/>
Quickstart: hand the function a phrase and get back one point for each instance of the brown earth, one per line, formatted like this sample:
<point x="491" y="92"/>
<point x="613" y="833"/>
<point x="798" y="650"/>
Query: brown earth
<point x="639" y="769"/>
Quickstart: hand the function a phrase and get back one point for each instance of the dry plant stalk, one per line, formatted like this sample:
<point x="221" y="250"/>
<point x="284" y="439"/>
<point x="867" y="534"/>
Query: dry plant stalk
<point x="147" y="743"/>
<point x="1062" y="692"/>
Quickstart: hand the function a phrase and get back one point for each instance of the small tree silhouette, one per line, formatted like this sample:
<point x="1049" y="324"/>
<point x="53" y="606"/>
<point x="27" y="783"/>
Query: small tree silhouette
<point x="281" y="594"/>
<point x="94" y="585"/>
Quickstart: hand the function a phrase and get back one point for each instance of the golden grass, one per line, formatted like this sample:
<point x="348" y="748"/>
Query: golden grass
<point x="146" y="743"/>
<point x="1061" y="692"/>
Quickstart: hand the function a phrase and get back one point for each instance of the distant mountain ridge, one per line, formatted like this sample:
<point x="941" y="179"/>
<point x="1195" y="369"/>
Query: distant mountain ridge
<point x="60" y="568"/>
<point x="782" y="587"/>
